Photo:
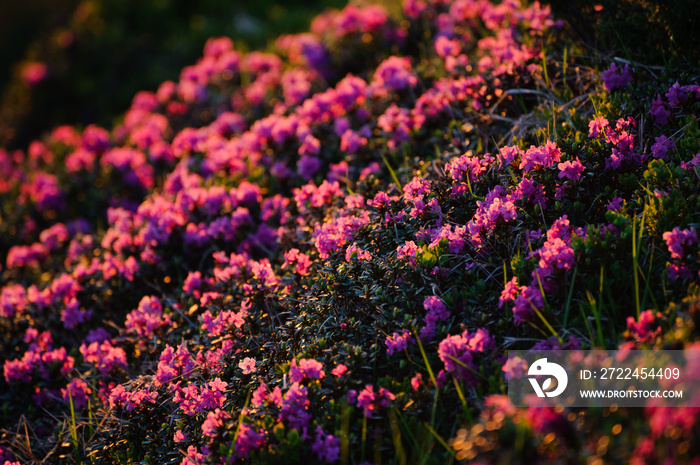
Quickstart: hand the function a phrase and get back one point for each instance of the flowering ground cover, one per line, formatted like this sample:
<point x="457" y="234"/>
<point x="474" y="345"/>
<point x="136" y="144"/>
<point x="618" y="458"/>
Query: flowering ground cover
<point x="321" y="253"/>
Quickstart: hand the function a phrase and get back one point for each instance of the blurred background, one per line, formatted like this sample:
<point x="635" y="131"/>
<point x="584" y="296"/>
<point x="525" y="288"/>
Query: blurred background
<point x="78" y="62"/>
<point x="81" y="62"/>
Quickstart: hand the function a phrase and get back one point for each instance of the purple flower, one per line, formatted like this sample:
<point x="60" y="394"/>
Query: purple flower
<point x="397" y="342"/>
<point x="72" y="315"/>
<point x="457" y="353"/>
<point x="530" y="298"/>
<point x="615" y="204"/>
<point x="307" y="166"/>
<point x="295" y="408"/>
<point x="662" y="145"/>
<point x="615" y="78"/>
<point x="248" y="440"/>
<point x="659" y="111"/>
<point x="436" y="312"/>
<point x="351" y="142"/>
<point x="326" y="446"/>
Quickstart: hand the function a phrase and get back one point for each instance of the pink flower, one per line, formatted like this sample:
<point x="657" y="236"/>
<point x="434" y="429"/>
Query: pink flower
<point x="147" y="318"/>
<point x="417" y="381"/>
<point x="408" y="251"/>
<point x="597" y="126"/>
<point x="306" y="369"/>
<point x="301" y="261"/>
<point x="356" y="252"/>
<point x="34" y="72"/>
<point x="371" y="401"/>
<point x="677" y="239"/>
<point x="214" y="421"/>
<point x="179" y="437"/>
<point x="646" y="328"/>
<point x="447" y="47"/>
<point x="247" y="365"/>
<point x="571" y="170"/>
<point x="514" y="368"/>
<point x="510" y="292"/>
<point x="339" y="370"/>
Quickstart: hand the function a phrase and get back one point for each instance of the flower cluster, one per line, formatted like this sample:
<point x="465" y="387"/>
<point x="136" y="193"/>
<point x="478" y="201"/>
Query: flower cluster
<point x="273" y="217"/>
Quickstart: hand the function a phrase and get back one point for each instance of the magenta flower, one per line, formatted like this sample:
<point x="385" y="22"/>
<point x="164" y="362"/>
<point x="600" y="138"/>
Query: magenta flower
<point x="214" y="422"/>
<point x="678" y="239"/>
<point x="597" y="126"/>
<point x="13" y="300"/>
<point x="397" y="342"/>
<point x="371" y="401"/>
<point x="457" y="353"/>
<point x="79" y="391"/>
<point x="305" y="370"/>
<point x="571" y="169"/>
<point x="147" y="318"/>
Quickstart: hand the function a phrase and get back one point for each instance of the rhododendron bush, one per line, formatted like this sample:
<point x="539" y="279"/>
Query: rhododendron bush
<point x="321" y="253"/>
